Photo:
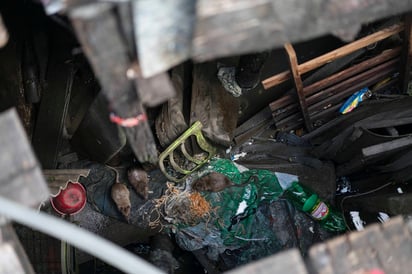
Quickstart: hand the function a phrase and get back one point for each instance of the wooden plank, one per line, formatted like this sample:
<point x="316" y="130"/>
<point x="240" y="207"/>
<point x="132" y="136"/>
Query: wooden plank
<point x="406" y="54"/>
<point x="397" y="235"/>
<point x="9" y="261"/>
<point x="320" y="259"/>
<point x="361" y="256"/>
<point x="58" y="178"/>
<point x="350" y="82"/>
<point x="163" y="32"/>
<point x="98" y="31"/>
<point x="21" y="179"/>
<point x="375" y="150"/>
<point x="293" y="61"/>
<point x="233" y="27"/>
<point x="9" y="237"/>
<point x="353" y="70"/>
<point x="339" y="251"/>
<point x="212" y="105"/>
<point x="289" y="261"/>
<point x="333" y="55"/>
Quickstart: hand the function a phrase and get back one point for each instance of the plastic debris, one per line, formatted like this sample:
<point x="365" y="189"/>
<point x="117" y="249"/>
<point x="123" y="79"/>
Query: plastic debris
<point x="354" y="100"/>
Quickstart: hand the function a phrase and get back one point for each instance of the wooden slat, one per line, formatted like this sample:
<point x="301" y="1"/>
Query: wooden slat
<point x="353" y="70"/>
<point x="335" y="54"/>
<point x="366" y="79"/>
<point x="103" y="44"/>
<point x="293" y="61"/>
<point x="21" y="179"/>
<point x="336" y="78"/>
<point x="58" y="178"/>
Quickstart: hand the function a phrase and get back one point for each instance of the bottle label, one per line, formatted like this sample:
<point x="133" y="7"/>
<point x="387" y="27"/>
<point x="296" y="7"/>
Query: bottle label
<point x="320" y="211"/>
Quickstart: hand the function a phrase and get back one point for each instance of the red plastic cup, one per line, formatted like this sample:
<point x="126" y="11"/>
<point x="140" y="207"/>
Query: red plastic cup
<point x="70" y="199"/>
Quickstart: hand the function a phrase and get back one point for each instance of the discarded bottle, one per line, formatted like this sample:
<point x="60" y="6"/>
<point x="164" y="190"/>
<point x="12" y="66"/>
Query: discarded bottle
<point x="307" y="201"/>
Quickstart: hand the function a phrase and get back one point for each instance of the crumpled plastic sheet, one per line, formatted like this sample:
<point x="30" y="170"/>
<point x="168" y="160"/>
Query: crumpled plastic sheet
<point x="249" y="222"/>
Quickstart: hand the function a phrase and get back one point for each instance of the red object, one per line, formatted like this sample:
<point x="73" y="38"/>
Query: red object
<point x="70" y="200"/>
<point x="128" y="122"/>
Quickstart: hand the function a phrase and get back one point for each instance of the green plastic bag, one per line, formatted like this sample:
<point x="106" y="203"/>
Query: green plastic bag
<point x="234" y="206"/>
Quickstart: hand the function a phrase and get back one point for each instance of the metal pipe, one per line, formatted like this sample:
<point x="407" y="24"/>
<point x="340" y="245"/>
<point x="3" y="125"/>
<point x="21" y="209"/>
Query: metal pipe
<point x="80" y="238"/>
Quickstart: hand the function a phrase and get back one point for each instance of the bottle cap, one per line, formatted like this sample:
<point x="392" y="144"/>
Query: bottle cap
<point x="310" y="202"/>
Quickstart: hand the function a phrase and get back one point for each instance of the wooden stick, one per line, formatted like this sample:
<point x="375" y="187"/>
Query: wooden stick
<point x="353" y="70"/>
<point x="293" y="61"/>
<point x="357" y="85"/>
<point x="406" y="54"/>
<point x="333" y="55"/>
<point x="333" y="79"/>
<point x="335" y="89"/>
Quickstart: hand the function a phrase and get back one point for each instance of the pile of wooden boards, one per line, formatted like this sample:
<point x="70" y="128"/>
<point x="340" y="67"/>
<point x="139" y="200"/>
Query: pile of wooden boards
<point x="319" y="102"/>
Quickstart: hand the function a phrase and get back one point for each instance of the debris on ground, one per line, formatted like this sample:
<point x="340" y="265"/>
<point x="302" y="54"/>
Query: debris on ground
<point x="194" y="136"/>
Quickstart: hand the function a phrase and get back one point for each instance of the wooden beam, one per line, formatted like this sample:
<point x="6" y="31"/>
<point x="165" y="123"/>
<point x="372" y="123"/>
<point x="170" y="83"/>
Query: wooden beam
<point x="406" y="54"/>
<point x="293" y="61"/>
<point x="333" y="55"/>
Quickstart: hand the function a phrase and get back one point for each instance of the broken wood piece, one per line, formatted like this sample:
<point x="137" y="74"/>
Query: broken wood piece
<point x="375" y="150"/>
<point x="256" y="124"/>
<point x="58" y="178"/>
<point x="333" y="55"/>
<point x="8" y="237"/>
<point x="405" y="72"/>
<point x="97" y="28"/>
<point x="212" y="105"/>
<point x="155" y="90"/>
<point x="21" y="179"/>
<point x="171" y="121"/>
<point x="293" y="61"/>
<point x="163" y="33"/>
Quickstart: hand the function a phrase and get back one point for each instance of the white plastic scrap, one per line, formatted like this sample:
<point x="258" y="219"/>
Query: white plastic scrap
<point x="400" y="191"/>
<point x="241" y="208"/>
<point x="238" y="156"/>
<point x="344" y="190"/>
<point x="241" y="168"/>
<point x="285" y="179"/>
<point x="357" y="221"/>
<point x="383" y="217"/>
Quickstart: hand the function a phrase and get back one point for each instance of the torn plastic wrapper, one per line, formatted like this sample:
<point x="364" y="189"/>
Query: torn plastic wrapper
<point x="355" y="100"/>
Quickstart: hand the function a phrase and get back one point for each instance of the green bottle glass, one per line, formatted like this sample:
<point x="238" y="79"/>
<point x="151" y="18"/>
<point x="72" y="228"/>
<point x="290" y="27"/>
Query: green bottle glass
<point x="308" y="201"/>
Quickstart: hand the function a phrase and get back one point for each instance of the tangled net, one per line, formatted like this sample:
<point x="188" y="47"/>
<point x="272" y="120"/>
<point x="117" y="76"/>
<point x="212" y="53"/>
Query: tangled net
<point x="181" y="208"/>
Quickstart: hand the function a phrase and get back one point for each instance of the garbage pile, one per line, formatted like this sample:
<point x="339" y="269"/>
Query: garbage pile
<point x="186" y="151"/>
